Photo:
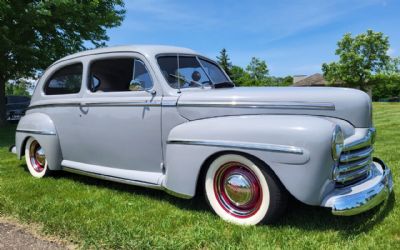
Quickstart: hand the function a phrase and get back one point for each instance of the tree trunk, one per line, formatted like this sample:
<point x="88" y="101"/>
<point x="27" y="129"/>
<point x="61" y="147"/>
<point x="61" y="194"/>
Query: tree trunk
<point x="3" y="120"/>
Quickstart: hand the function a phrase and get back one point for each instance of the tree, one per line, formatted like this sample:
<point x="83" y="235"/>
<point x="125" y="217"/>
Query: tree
<point x="360" y="59"/>
<point x="19" y="87"/>
<point x="388" y="86"/>
<point x="239" y="76"/>
<point x="224" y="61"/>
<point x="35" y="33"/>
<point x="257" y="69"/>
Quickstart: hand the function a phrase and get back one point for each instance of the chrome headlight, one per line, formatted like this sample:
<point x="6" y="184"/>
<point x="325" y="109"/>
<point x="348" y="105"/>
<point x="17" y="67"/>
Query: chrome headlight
<point x="337" y="143"/>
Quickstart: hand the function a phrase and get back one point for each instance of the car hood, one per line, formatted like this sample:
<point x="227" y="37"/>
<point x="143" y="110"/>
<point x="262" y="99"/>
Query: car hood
<point x="351" y="105"/>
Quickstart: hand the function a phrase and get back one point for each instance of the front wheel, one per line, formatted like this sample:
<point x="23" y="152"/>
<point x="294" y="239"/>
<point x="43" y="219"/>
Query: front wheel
<point x="244" y="191"/>
<point x="36" y="158"/>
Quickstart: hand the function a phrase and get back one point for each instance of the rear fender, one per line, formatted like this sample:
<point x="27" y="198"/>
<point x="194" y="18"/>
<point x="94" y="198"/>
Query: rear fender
<point x="40" y="127"/>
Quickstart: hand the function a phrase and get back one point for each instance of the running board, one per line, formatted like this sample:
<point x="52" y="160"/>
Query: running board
<point x="113" y="178"/>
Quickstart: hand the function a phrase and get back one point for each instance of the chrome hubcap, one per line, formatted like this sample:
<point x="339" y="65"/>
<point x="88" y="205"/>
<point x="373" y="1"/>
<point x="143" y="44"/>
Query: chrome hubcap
<point x="237" y="189"/>
<point x="37" y="157"/>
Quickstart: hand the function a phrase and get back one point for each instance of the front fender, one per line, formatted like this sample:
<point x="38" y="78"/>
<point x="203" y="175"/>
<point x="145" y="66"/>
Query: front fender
<point x="41" y="127"/>
<point x="297" y="148"/>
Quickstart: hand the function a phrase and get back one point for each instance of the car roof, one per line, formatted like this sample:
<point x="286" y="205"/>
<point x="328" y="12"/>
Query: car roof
<point x="146" y="50"/>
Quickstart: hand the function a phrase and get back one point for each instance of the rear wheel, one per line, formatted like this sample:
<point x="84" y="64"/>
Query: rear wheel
<point x="243" y="191"/>
<point x="35" y="158"/>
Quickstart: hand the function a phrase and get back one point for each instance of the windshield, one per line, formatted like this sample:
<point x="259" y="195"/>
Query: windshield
<point x="190" y="71"/>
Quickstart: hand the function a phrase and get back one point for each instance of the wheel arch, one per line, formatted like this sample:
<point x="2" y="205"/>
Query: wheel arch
<point x="206" y="164"/>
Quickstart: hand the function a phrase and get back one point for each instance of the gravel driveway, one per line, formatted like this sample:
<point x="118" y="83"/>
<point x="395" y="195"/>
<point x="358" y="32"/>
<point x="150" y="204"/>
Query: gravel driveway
<point x="13" y="236"/>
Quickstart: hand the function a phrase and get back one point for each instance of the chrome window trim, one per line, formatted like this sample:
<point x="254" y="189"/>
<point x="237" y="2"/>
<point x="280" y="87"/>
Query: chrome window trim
<point x="241" y="145"/>
<point x="38" y="132"/>
<point x="268" y="105"/>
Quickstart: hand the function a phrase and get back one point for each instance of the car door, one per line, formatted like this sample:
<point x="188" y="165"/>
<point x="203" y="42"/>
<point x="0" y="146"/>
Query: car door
<point x="118" y="130"/>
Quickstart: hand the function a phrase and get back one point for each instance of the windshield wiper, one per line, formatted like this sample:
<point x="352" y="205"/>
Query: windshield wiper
<point x="226" y="84"/>
<point x="184" y="80"/>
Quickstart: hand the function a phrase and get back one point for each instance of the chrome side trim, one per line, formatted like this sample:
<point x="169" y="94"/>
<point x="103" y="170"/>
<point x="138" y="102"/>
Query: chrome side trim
<point x="120" y="104"/>
<point x="241" y="145"/>
<point x="346" y="205"/>
<point x="169" y="103"/>
<point x="267" y="105"/>
<point x="112" y="178"/>
<point x="51" y="105"/>
<point x="98" y="104"/>
<point x="38" y="132"/>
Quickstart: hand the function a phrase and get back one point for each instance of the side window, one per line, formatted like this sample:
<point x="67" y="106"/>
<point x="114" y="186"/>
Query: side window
<point x="66" y="80"/>
<point x="118" y="75"/>
<point x="141" y="77"/>
<point x="213" y="71"/>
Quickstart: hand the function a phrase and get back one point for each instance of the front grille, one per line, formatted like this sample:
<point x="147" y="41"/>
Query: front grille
<point x="355" y="160"/>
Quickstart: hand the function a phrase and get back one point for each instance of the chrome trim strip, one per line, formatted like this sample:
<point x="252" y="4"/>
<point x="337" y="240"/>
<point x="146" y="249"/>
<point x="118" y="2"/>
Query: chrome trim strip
<point x="120" y="104"/>
<point x="361" y="143"/>
<point x="241" y="145"/>
<point x="343" y="178"/>
<point x="50" y="105"/>
<point x="98" y="104"/>
<point x="346" y="205"/>
<point x="169" y="103"/>
<point x="343" y="168"/>
<point x="349" y="157"/>
<point x="38" y="132"/>
<point x="267" y="105"/>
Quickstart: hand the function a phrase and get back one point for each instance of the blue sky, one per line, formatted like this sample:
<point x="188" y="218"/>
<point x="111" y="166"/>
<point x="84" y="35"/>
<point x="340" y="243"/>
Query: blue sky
<point x="293" y="37"/>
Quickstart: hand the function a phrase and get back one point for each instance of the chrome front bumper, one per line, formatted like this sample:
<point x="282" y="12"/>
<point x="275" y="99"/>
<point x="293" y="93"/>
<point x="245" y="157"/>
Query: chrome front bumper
<point x="363" y="195"/>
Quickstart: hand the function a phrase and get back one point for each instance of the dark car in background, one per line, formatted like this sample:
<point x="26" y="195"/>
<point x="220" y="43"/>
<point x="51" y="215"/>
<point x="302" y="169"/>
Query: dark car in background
<point x="16" y="106"/>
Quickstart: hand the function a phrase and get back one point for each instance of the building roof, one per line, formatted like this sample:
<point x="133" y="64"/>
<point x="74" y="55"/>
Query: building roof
<point x="312" y="80"/>
<point x="146" y="50"/>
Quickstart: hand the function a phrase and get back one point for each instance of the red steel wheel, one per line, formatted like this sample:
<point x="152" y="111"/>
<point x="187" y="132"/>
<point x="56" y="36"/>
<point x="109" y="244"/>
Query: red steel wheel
<point x="35" y="158"/>
<point x="243" y="191"/>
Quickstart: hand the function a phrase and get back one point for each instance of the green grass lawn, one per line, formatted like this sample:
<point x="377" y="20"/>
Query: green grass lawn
<point x="101" y="214"/>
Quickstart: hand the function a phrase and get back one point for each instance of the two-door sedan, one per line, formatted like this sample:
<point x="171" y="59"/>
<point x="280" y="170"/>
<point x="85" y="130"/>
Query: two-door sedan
<point x="168" y="118"/>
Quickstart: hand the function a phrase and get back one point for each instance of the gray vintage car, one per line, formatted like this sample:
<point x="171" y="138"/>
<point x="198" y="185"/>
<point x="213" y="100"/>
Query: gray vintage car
<point x="168" y="118"/>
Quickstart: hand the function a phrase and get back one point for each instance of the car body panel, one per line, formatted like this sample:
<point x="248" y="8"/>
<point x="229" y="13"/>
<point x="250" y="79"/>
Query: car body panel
<point x="164" y="137"/>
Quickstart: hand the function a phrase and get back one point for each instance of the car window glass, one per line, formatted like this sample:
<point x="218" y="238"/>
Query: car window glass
<point x="66" y="80"/>
<point x="141" y="77"/>
<point x="213" y="71"/>
<point x="118" y="75"/>
<point x="190" y="73"/>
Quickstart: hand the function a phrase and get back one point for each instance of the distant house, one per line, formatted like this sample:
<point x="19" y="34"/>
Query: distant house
<point x="309" y="81"/>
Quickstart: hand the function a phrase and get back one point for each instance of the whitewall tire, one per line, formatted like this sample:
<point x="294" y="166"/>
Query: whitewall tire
<point x="243" y="190"/>
<point x="35" y="158"/>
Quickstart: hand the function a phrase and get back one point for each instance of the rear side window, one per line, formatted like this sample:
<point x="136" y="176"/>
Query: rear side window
<point x="67" y="80"/>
